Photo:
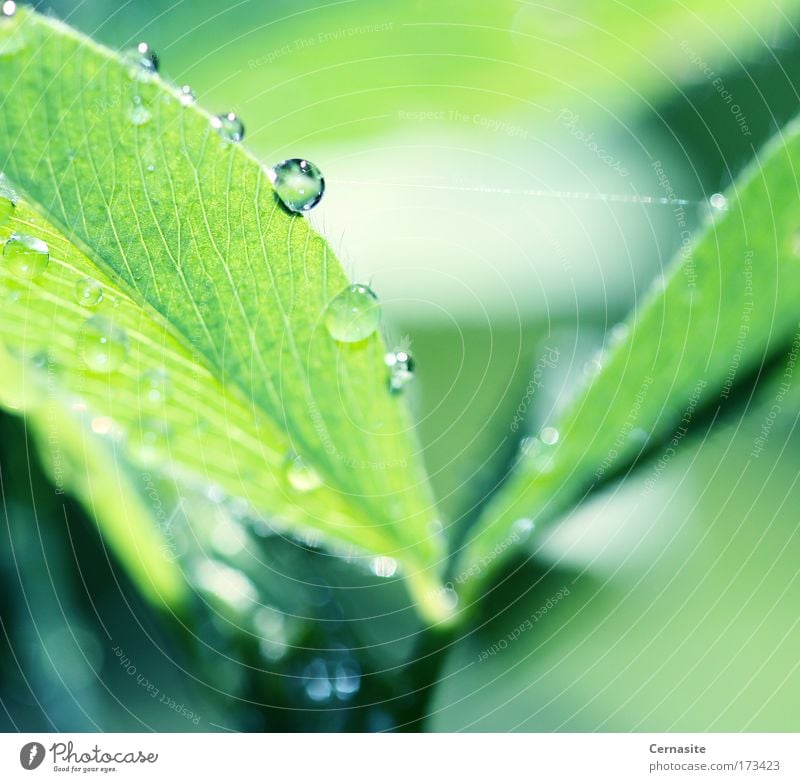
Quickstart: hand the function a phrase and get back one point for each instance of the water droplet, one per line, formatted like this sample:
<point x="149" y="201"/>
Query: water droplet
<point x="346" y="679"/>
<point x="229" y="126"/>
<point x="549" y="435"/>
<point x="298" y="183"/>
<point x="401" y="368"/>
<point x="153" y="387"/>
<point x="88" y="292"/>
<point x="301" y="476"/>
<point x="7" y="205"/>
<point x="186" y="95"/>
<point x="9" y="8"/>
<point x="354" y="314"/>
<point x="138" y="113"/>
<point x="102" y="425"/>
<point x="149" y="441"/>
<point x="592" y="367"/>
<point x="522" y="528"/>
<point x="103" y="345"/>
<point x="383" y="567"/>
<point x="718" y="202"/>
<point x="26" y="255"/>
<point x="618" y="334"/>
<point x="316" y="683"/>
<point x="143" y="57"/>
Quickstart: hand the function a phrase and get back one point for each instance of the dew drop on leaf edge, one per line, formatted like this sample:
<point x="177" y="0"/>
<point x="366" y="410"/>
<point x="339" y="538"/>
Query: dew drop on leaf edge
<point x="354" y="314"/>
<point x="300" y="475"/>
<point x="401" y="369"/>
<point x="186" y="95"/>
<point x="229" y="126"/>
<point x="26" y="255"/>
<point x="103" y="344"/>
<point x="143" y="57"/>
<point x="298" y="183"/>
<point x="88" y="292"/>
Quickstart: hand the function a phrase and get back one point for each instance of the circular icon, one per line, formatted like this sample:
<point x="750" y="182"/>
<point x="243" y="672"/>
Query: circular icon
<point x="31" y="755"/>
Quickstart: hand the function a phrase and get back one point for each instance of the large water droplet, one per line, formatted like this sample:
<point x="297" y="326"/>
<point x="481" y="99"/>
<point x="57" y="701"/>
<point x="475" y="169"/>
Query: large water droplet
<point x="143" y="57"/>
<point x="186" y="95"/>
<point x="229" y="126"/>
<point x="401" y="369"/>
<point x="138" y="113"/>
<point x="301" y="476"/>
<point x="103" y="345"/>
<point x="26" y="255"/>
<point x="298" y="183"/>
<point x="9" y="8"/>
<point x="88" y="292"/>
<point x="354" y="314"/>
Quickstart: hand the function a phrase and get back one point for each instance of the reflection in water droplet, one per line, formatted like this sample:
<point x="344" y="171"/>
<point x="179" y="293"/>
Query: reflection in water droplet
<point x="401" y="368"/>
<point x="138" y="113"/>
<point x="298" y="183"/>
<point x="549" y="435"/>
<point x="383" y="567"/>
<point x="186" y="95"/>
<point x="103" y="345"/>
<point x="229" y="126"/>
<point x="300" y="475"/>
<point x="26" y="255"/>
<point x="354" y="314"/>
<point x="88" y="292"/>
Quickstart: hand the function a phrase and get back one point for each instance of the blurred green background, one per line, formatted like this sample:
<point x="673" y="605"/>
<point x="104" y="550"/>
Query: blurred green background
<point x="434" y="124"/>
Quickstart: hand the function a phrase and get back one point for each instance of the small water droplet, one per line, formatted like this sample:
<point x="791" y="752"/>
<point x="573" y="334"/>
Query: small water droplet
<point x="138" y="113"/>
<point x="317" y="684"/>
<point x="354" y="314"/>
<point x="149" y="441"/>
<point x="186" y="95"/>
<point x="301" y="476"/>
<point x="229" y="126"/>
<point x="401" y="368"/>
<point x="346" y="679"/>
<point x="143" y="57"/>
<point x="102" y="425"/>
<point x="103" y="345"/>
<point x="549" y="435"/>
<point x="9" y="8"/>
<point x="26" y="255"/>
<point x="298" y="183"/>
<point x="153" y="387"/>
<point x="592" y="367"/>
<point x="88" y="292"/>
<point x="718" y="202"/>
<point x="522" y="529"/>
<point x="383" y="567"/>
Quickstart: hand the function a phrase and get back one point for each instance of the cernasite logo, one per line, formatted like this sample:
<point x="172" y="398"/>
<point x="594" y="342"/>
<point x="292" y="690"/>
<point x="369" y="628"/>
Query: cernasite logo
<point x="31" y="755"/>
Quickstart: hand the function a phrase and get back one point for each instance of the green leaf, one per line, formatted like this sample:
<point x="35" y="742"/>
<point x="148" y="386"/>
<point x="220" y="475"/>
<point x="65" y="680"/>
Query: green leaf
<point x="666" y="610"/>
<point x="730" y="303"/>
<point x="217" y="286"/>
